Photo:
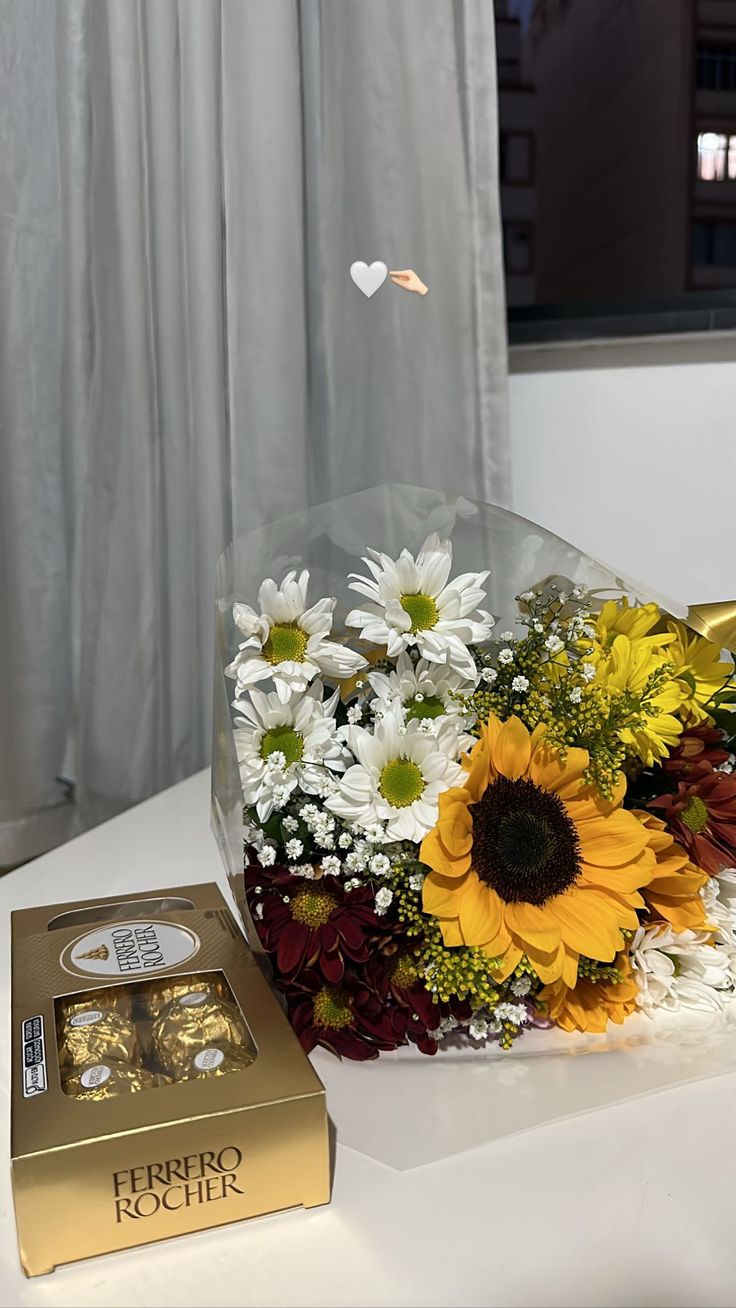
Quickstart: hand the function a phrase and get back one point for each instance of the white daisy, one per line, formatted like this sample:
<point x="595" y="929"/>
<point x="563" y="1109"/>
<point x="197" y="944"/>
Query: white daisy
<point x="424" y="690"/>
<point x="399" y="775"/>
<point x="675" y="969"/>
<point x="719" y="894"/>
<point x="287" y="641"/>
<point x="280" y="746"/>
<point x="413" y="604"/>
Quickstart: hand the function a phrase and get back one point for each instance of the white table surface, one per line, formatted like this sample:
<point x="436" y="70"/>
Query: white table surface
<point x="630" y="1205"/>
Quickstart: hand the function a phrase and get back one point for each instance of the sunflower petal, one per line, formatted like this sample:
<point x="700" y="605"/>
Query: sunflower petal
<point x="590" y="928"/>
<point x="610" y="841"/>
<point x="511" y="751"/>
<point x="441" y="896"/>
<point x="432" y="852"/>
<point x="480" y="912"/>
<point x="533" y="925"/>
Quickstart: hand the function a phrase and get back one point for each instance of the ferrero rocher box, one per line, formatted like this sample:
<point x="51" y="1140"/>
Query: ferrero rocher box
<point x="157" y="1086"/>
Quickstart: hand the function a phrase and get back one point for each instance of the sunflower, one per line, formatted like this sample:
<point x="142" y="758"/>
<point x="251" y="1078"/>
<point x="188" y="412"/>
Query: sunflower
<point x="592" y="1004"/>
<point x="698" y="664"/>
<point x="528" y="859"/>
<point x="637" y="670"/>
<point x="673" y="894"/>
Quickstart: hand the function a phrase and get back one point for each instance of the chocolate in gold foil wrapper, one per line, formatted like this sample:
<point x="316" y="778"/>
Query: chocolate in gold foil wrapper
<point x="117" y="998"/>
<point x="107" y="1080"/>
<point x="216" y="1060"/>
<point x="96" y="1035"/>
<point x="154" y="998"/>
<point x="192" y="1022"/>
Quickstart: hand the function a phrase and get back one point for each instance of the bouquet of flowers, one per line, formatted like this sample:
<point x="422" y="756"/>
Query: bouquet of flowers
<point x="459" y="833"/>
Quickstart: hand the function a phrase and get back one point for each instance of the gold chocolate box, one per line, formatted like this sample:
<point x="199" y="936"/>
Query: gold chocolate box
<point x="157" y="1087"/>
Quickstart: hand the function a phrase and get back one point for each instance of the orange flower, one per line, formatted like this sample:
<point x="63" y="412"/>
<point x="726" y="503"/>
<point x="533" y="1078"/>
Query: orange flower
<point x="673" y="894"/>
<point x="592" y="1004"/>
<point x="528" y="859"/>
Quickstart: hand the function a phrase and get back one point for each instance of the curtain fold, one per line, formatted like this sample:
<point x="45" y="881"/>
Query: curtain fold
<point x="183" y="354"/>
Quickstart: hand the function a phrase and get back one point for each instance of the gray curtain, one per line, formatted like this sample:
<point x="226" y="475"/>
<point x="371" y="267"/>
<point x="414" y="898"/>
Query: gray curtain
<point x="183" y="354"/>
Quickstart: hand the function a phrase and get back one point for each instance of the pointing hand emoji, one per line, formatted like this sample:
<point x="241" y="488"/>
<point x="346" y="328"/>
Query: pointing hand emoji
<point x="407" y="279"/>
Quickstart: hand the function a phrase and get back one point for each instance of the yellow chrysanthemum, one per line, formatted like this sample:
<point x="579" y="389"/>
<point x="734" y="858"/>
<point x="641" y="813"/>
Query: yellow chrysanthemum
<point x="526" y="859"/>
<point x="637" y="668"/>
<point x="619" y="618"/>
<point x="698" y="663"/>
<point x="592" y="1005"/>
<point x="673" y="893"/>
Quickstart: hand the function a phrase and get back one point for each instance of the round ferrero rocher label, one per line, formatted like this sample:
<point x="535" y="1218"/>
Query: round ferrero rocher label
<point x="112" y="997"/>
<point x="107" y="1080"/>
<point x="156" y="996"/>
<point x="216" y="1061"/>
<point x="92" y="1035"/>
<point x="184" y="1028"/>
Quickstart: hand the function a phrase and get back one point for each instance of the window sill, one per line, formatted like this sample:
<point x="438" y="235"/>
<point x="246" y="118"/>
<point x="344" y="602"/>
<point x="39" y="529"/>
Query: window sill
<point x="697" y="326"/>
<point x="680" y="349"/>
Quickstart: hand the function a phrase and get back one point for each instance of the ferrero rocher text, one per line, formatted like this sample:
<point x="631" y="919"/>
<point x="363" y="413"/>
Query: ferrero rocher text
<point x="176" y="1183"/>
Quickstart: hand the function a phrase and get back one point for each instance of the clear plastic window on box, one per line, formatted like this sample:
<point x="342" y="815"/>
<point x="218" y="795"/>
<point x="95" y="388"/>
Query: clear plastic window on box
<point x="122" y="1039"/>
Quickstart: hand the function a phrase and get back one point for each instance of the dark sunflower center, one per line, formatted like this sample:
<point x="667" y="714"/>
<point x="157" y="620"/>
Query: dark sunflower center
<point x="524" y="844"/>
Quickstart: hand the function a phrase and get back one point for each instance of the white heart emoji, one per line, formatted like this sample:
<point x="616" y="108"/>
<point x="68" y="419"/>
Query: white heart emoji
<point x="369" y="279"/>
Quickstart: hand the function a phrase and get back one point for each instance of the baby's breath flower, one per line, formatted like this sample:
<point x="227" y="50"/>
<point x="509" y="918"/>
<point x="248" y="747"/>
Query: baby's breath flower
<point x="267" y="856"/>
<point x="294" y="848"/>
<point x="506" y="656"/>
<point x="380" y="865"/>
<point x="384" y="898"/>
<point x="331" y="865"/>
<point x="520" y="684"/>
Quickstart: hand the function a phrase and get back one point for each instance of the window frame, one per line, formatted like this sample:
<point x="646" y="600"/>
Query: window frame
<point x="689" y="313"/>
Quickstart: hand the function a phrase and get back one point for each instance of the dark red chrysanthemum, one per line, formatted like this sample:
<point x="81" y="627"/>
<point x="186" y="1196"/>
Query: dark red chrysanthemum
<point x="349" y="1019"/>
<point x="701" y="815"/>
<point x="697" y="745"/>
<point x="315" y="924"/>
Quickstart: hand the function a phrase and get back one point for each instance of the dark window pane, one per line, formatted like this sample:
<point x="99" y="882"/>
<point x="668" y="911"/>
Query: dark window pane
<point x="517" y="245"/>
<point x="714" y="243"/>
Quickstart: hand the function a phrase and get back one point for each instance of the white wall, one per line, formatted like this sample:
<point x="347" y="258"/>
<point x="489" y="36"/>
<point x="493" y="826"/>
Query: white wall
<point x="635" y="465"/>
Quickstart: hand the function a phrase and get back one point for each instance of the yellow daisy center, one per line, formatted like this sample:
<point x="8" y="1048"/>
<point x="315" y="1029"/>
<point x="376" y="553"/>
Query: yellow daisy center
<point x="695" y="814"/>
<point x="332" y="1009"/>
<point x="524" y="843"/>
<point x="422" y="610"/>
<point x="429" y="707"/>
<point x="401" y="782"/>
<point x="312" y="907"/>
<point x="405" y="972"/>
<point x="283" y="740"/>
<point x="286" y="643"/>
